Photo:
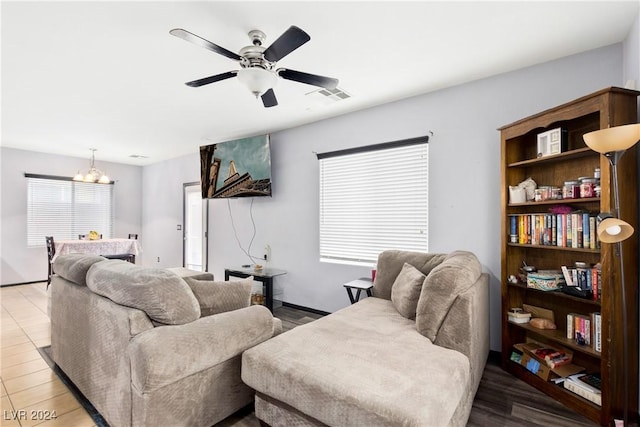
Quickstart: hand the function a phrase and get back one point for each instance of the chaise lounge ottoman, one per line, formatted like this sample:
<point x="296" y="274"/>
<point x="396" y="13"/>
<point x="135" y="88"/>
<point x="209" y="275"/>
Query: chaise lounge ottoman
<point x="372" y="364"/>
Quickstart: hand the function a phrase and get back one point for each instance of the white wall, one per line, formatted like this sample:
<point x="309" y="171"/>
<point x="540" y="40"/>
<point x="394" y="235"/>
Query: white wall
<point x="162" y="209"/>
<point x="464" y="177"/>
<point x="631" y="52"/>
<point x="19" y="263"/>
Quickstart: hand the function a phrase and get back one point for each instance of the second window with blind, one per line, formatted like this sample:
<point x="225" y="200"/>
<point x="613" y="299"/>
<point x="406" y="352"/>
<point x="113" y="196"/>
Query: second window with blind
<point x="372" y="199"/>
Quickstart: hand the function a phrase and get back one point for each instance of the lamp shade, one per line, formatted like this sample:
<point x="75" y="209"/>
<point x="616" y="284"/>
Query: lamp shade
<point x="258" y="80"/>
<point x="618" y="138"/>
<point x="614" y="230"/>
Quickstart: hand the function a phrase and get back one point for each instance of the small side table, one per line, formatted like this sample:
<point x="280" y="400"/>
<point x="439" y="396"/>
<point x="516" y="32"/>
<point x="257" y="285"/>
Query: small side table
<point x="265" y="276"/>
<point x="361" y="284"/>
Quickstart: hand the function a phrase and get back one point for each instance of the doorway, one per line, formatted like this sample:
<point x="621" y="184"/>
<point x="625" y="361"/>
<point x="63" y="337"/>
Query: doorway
<point x="195" y="228"/>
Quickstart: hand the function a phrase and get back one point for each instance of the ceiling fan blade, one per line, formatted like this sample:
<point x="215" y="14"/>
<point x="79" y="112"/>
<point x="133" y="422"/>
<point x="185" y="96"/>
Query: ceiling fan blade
<point x="289" y="41"/>
<point x="310" y="79"/>
<point x="212" y="79"/>
<point x="190" y="37"/>
<point x="269" y="99"/>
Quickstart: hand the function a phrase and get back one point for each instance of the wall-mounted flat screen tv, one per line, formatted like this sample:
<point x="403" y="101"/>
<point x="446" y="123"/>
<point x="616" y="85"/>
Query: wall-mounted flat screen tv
<point x="238" y="168"/>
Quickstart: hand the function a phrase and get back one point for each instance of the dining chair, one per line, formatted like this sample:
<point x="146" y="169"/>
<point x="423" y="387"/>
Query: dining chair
<point x="82" y="236"/>
<point x="51" y="251"/>
<point x="125" y="257"/>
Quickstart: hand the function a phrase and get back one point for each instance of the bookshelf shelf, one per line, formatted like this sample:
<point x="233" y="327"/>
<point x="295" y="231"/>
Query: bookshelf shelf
<point x="558" y="294"/>
<point x="555" y="248"/>
<point x="558" y="392"/>
<point x="606" y="108"/>
<point x="557" y="202"/>
<point x="572" y="154"/>
<point x="558" y="337"/>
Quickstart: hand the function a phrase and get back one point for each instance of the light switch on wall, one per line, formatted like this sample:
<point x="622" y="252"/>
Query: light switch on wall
<point x="179" y="227"/>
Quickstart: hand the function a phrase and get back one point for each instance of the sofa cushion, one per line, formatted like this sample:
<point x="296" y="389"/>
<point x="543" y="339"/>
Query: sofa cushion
<point x="74" y="267"/>
<point x="363" y="365"/>
<point x="390" y="264"/>
<point x="406" y="290"/>
<point x="457" y="273"/>
<point x="163" y="295"/>
<point x="218" y="297"/>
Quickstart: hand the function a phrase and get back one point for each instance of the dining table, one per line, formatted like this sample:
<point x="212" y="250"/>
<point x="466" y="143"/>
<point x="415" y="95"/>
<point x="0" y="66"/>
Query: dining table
<point x="98" y="247"/>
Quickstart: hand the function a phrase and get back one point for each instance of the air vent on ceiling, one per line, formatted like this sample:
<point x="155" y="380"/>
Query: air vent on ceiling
<point x="138" y="156"/>
<point x="336" y="94"/>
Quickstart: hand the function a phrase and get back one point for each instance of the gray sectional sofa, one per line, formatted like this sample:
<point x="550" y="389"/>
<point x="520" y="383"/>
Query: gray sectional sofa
<point x="149" y="348"/>
<point x="411" y="355"/>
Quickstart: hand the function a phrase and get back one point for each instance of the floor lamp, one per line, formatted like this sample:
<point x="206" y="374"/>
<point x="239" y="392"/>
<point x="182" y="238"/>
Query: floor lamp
<point x="612" y="143"/>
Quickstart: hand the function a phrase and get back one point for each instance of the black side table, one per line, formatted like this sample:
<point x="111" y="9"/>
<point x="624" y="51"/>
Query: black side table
<point x="361" y="284"/>
<point x="264" y="275"/>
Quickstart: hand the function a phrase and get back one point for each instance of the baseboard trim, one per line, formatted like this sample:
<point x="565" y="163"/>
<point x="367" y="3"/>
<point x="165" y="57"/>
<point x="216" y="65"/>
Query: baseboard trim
<point x="23" y="283"/>
<point x="495" y="356"/>
<point x="300" y="307"/>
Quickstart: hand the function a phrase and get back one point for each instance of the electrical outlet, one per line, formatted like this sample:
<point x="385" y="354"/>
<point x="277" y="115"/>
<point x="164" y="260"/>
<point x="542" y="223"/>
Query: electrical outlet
<point x="267" y="253"/>
<point x="158" y="259"/>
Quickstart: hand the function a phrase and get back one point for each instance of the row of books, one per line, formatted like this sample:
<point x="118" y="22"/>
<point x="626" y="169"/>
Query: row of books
<point x="585" y="279"/>
<point x="585" y="329"/>
<point x="570" y="230"/>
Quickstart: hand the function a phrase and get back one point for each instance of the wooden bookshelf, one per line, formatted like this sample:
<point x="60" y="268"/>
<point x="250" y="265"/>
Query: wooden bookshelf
<point x="602" y="109"/>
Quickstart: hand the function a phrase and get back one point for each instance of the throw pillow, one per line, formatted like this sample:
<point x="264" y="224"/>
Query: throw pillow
<point x="390" y="264"/>
<point x="164" y="296"/>
<point x="456" y="274"/>
<point x="218" y="297"/>
<point x="405" y="291"/>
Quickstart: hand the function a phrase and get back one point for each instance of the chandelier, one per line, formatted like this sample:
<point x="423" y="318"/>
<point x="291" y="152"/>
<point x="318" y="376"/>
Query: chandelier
<point x="94" y="175"/>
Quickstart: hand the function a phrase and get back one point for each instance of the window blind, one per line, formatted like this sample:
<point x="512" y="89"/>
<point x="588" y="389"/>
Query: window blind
<point x="63" y="208"/>
<point x="374" y="200"/>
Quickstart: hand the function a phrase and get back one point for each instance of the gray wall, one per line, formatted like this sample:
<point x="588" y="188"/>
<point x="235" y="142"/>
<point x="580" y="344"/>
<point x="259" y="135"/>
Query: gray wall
<point x="464" y="178"/>
<point x="19" y="263"/>
<point x="162" y="202"/>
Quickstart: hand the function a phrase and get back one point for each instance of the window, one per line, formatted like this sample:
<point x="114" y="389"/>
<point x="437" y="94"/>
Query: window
<point x="373" y="199"/>
<point x="62" y="208"/>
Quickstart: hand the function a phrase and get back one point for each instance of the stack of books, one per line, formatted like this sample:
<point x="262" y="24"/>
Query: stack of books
<point x="519" y="316"/>
<point x="553" y="357"/>
<point x="584" y="386"/>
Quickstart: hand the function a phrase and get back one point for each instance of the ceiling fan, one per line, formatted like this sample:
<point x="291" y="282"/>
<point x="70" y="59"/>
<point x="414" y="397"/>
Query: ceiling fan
<point x="258" y="64"/>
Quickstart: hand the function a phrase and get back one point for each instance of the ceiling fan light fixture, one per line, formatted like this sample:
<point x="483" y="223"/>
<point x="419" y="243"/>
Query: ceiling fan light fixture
<point x="257" y="80"/>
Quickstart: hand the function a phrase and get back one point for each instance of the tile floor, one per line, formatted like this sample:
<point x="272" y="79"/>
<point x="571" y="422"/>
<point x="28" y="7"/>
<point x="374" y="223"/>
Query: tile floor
<point x="32" y="394"/>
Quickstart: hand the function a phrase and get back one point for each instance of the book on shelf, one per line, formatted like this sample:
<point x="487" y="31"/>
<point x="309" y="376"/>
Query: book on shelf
<point x="585" y="329"/>
<point x="559" y="360"/>
<point x="519" y="319"/>
<point x="597" y="331"/>
<point x="569" y="230"/>
<point x="533" y="358"/>
<point x="574" y="385"/>
<point x="584" y="279"/>
<point x="519" y="316"/>
<point x="592" y="380"/>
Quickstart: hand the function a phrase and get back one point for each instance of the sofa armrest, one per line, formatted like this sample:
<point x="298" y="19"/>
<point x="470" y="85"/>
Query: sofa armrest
<point x="168" y="353"/>
<point x="219" y="297"/>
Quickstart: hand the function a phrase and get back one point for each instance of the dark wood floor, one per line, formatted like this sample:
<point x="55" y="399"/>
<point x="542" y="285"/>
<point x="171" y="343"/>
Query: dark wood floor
<point x="502" y="400"/>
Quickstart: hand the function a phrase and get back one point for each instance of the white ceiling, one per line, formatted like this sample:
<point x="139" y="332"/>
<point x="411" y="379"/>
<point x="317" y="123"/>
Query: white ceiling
<point x="108" y="75"/>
